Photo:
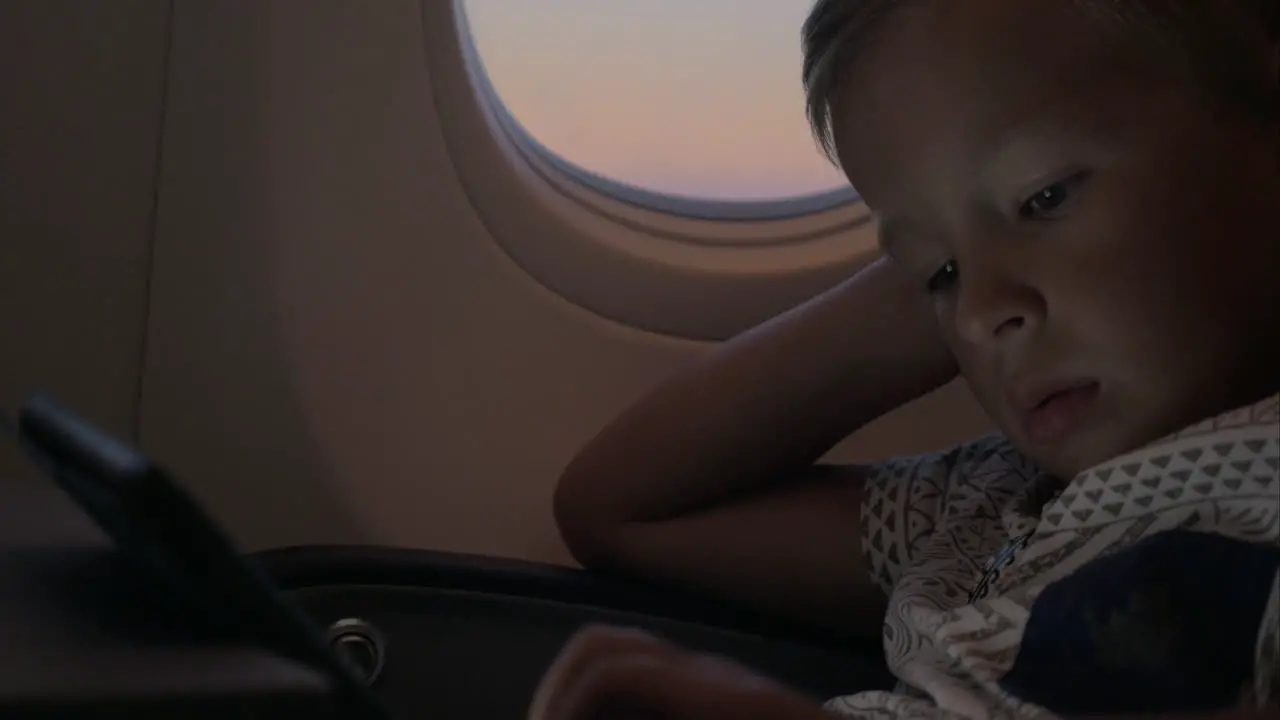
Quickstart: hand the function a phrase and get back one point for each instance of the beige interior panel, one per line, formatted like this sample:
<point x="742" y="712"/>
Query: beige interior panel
<point x="81" y="91"/>
<point x="336" y="349"/>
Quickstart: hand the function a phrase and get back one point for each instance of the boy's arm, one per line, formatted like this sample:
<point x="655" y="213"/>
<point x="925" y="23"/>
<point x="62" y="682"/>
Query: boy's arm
<point x="709" y="481"/>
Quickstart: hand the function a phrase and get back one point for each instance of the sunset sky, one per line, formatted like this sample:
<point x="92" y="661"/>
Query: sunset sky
<point x="698" y="98"/>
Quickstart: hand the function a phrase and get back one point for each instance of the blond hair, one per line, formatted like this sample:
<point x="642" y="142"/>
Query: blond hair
<point x="1196" y="36"/>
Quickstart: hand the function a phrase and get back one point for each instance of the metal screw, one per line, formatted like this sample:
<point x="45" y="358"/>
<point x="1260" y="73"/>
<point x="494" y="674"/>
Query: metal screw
<point x="360" y="645"/>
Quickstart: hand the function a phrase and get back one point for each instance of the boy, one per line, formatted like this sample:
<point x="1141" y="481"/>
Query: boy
<point x="1077" y="203"/>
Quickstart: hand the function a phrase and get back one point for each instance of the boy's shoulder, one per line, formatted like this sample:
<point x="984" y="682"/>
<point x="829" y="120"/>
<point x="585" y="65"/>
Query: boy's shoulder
<point x="906" y="499"/>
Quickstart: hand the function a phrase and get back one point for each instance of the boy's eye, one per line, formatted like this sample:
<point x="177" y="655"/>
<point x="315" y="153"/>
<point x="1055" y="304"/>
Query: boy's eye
<point x="944" y="277"/>
<point x="1050" y="202"/>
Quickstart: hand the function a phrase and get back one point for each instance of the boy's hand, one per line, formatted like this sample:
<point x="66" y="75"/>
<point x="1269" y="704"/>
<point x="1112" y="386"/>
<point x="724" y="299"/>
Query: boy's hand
<point x="622" y="674"/>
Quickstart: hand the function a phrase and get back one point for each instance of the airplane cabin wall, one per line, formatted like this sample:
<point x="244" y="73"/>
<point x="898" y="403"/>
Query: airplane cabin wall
<point x="336" y="348"/>
<point x="81" y="95"/>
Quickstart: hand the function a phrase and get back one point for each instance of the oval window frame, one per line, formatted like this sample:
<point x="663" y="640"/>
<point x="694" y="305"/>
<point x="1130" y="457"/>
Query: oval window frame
<point x="688" y="268"/>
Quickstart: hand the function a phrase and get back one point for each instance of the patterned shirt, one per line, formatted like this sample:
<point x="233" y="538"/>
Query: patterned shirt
<point x="1149" y="583"/>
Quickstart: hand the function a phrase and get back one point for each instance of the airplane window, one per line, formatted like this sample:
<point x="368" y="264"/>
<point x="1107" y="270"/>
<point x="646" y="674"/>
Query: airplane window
<point x="678" y="98"/>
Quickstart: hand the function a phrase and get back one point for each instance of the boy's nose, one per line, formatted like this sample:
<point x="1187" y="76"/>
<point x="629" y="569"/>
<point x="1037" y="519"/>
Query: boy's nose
<point x="994" y="307"/>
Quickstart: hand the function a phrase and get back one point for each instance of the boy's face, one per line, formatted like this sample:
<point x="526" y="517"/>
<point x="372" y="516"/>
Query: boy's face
<point x="1082" y="221"/>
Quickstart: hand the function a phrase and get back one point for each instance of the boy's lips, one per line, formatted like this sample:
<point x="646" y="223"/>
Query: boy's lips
<point x="1051" y="410"/>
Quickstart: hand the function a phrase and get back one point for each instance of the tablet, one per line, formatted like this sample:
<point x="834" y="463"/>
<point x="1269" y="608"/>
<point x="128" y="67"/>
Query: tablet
<point x="173" y="542"/>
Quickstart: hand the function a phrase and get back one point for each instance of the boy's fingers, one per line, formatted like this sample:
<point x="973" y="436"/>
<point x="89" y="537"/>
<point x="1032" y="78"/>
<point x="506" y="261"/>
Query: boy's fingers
<point x="626" y="676"/>
<point x="686" y="687"/>
<point x="587" y="649"/>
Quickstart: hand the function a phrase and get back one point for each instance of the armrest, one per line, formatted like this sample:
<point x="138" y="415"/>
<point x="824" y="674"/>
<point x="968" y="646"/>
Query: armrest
<point x="312" y="566"/>
<point x="469" y="636"/>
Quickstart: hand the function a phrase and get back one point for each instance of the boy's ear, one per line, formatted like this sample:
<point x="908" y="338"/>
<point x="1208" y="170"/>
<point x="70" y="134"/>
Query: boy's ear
<point x="1275" y="73"/>
<point x="1275" y="64"/>
<point x="1273" y="37"/>
<point x="1275" y="59"/>
<point x="1275" y="87"/>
